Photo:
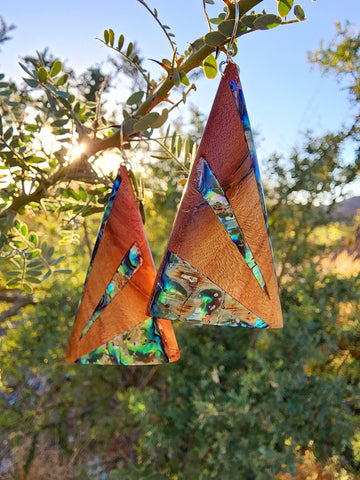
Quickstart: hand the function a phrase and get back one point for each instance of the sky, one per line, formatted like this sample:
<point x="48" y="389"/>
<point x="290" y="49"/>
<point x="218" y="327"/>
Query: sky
<point x="285" y="96"/>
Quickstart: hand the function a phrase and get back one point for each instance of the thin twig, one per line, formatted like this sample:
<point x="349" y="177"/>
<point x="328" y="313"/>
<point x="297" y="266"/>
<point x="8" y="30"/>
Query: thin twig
<point x="154" y="14"/>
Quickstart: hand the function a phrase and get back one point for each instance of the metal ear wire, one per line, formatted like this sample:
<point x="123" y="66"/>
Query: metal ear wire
<point x="126" y="163"/>
<point x="230" y="50"/>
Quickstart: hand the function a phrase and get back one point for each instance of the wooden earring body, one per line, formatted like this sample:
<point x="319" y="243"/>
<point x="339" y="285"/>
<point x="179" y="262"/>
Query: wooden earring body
<point x="111" y="325"/>
<point x="218" y="266"/>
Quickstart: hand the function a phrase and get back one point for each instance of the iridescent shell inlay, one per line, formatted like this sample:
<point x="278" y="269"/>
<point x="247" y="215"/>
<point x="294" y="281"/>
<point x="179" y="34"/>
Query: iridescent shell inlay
<point x="212" y="192"/>
<point x="131" y="262"/>
<point x="141" y="345"/>
<point x="185" y="294"/>
<point x="244" y="117"/>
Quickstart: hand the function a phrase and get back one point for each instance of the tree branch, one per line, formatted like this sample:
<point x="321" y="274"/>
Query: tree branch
<point x="93" y="146"/>
<point x="19" y="301"/>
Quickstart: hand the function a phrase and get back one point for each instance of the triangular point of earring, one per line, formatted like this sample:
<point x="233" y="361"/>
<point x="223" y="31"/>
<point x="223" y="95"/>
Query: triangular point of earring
<point x="221" y="228"/>
<point x="119" y="283"/>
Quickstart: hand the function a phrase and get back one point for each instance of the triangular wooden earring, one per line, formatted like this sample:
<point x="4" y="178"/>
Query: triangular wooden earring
<point x="218" y="267"/>
<point x="111" y="326"/>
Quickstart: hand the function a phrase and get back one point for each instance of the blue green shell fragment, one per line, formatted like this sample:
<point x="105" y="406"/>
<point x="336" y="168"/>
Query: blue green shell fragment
<point x="185" y="294"/>
<point x="142" y="345"/>
<point x="129" y="265"/>
<point x="212" y="192"/>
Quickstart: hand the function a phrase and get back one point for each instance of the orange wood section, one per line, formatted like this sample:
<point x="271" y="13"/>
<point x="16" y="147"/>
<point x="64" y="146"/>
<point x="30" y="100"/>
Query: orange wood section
<point x="199" y="238"/>
<point x="123" y="228"/>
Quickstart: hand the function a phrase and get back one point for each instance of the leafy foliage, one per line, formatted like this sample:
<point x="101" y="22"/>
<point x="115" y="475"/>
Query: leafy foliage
<point x="239" y="404"/>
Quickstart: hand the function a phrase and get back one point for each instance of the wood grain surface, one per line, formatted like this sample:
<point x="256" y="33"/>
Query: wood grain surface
<point x="123" y="228"/>
<point x="199" y="238"/>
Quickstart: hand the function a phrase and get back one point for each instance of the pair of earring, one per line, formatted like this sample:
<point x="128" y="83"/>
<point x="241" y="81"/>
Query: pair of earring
<point x="218" y="266"/>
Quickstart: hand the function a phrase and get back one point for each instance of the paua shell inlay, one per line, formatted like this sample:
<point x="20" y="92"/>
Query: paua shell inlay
<point x="129" y="265"/>
<point x="141" y="345"/>
<point x="212" y="192"/>
<point x="185" y="294"/>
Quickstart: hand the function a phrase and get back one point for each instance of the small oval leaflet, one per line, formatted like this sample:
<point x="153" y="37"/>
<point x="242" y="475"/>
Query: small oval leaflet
<point x="146" y="121"/>
<point x="42" y="74"/>
<point x="135" y="98"/>
<point x="162" y="119"/>
<point x="248" y="20"/>
<point x="213" y="39"/>
<point x="111" y="37"/>
<point x="210" y="66"/>
<point x="284" y="7"/>
<point x="299" y="13"/>
<point x="267" y="21"/>
<point x="121" y="42"/>
<point x="56" y="68"/>
<point x="227" y="28"/>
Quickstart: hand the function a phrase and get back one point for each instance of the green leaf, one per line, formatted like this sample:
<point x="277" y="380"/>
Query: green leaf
<point x="249" y="20"/>
<point x="121" y="42"/>
<point x="129" y="49"/>
<point x="26" y="69"/>
<point x="34" y="272"/>
<point x="5" y="93"/>
<point x="162" y="119"/>
<point x="44" y="246"/>
<point x="63" y="79"/>
<point x="35" y="253"/>
<point x="13" y="282"/>
<point x="42" y="74"/>
<point x="32" y="127"/>
<point x="198" y="43"/>
<point x="135" y="98"/>
<point x="47" y="275"/>
<point x="50" y="253"/>
<point x="56" y="68"/>
<point x="8" y="134"/>
<point x="13" y="273"/>
<point x="61" y="131"/>
<point x="24" y="230"/>
<point x="33" y="238"/>
<point x="173" y="142"/>
<point x="284" y="7"/>
<point x="27" y="287"/>
<point x="61" y="94"/>
<point x="146" y="121"/>
<point x="31" y="279"/>
<point x="179" y="146"/>
<point x="213" y="39"/>
<point x="184" y="78"/>
<point x="176" y="77"/>
<point x="210" y="66"/>
<point x="57" y="260"/>
<point x="210" y="2"/>
<point x="227" y="28"/>
<point x="82" y="194"/>
<point x="299" y="13"/>
<point x="35" y="159"/>
<point x="106" y="36"/>
<point x="216" y="20"/>
<point x="31" y="82"/>
<point x="111" y="37"/>
<point x="71" y="192"/>
<point x="267" y="21"/>
<point x="60" y="122"/>
<point x="63" y="270"/>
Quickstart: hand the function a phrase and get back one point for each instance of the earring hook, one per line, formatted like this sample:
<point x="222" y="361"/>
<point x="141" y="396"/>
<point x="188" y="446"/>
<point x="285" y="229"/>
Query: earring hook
<point x="126" y="163"/>
<point x="230" y="51"/>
